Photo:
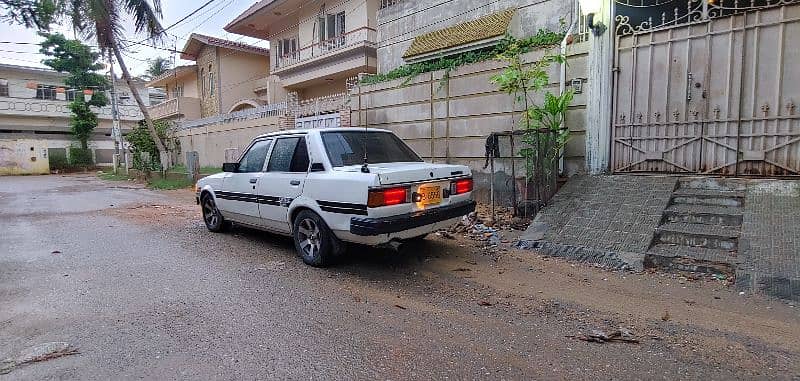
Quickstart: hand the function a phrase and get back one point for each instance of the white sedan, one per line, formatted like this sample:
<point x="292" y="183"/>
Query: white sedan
<point x="326" y="187"/>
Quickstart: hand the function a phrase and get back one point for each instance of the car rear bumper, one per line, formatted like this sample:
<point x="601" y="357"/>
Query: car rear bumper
<point x="363" y="226"/>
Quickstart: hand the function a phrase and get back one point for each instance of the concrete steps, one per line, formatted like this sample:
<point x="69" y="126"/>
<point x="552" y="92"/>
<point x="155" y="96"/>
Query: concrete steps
<point x="700" y="228"/>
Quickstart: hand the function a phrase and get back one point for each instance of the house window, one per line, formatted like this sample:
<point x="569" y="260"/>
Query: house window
<point x="210" y="81"/>
<point x="70" y="94"/>
<point x="3" y="87"/>
<point x="287" y="47"/>
<point x="177" y="91"/>
<point x="203" y="82"/>
<point x="46" y="92"/>
<point x="331" y="31"/>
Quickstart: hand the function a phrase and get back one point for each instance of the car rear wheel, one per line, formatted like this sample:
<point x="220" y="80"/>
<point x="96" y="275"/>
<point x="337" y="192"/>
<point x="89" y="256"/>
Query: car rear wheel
<point x="314" y="241"/>
<point x="212" y="216"/>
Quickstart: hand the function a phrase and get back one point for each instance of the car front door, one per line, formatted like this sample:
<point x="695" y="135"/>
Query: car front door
<point x="283" y="182"/>
<point x="238" y="200"/>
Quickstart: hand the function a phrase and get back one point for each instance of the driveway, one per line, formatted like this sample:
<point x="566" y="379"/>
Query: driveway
<point x="132" y="279"/>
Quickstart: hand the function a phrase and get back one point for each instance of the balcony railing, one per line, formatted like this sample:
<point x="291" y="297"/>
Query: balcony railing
<point x="60" y="108"/>
<point x="364" y="35"/>
<point x="275" y="109"/>
<point x="188" y="107"/>
<point x="321" y="105"/>
<point x="389" y="3"/>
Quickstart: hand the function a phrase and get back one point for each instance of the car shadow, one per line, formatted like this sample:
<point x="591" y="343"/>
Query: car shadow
<point x="366" y="262"/>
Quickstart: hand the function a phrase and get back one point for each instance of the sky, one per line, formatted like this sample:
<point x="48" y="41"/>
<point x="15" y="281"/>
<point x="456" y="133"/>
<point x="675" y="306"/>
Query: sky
<point x="208" y="21"/>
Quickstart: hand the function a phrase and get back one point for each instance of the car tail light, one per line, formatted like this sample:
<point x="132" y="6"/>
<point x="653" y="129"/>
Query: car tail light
<point x="386" y="197"/>
<point x="461" y="186"/>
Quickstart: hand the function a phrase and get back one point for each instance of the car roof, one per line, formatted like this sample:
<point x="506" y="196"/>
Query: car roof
<point x="319" y="130"/>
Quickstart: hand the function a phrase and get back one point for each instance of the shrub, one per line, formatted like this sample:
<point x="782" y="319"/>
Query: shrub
<point x="80" y="157"/>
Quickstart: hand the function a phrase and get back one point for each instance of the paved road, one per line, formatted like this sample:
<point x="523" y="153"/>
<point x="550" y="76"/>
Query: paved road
<point x="132" y="278"/>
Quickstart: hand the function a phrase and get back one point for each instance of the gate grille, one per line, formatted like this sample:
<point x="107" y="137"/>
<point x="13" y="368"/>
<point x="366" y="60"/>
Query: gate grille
<point x="712" y="94"/>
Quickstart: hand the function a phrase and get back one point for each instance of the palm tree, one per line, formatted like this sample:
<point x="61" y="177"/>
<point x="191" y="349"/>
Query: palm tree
<point x="158" y="66"/>
<point x="99" y="21"/>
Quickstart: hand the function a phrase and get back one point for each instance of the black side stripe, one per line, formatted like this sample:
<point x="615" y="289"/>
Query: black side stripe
<point x="343" y="208"/>
<point x="248" y="197"/>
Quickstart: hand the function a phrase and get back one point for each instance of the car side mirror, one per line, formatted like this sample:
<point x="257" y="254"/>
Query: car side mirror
<point x="317" y="167"/>
<point x="230" y="167"/>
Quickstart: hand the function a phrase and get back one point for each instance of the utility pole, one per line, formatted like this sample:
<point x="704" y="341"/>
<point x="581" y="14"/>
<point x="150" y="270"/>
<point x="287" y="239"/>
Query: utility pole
<point x="116" y="131"/>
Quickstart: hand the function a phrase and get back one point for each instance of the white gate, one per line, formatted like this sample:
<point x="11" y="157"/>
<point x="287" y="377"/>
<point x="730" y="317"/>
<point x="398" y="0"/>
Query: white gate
<point x="711" y="90"/>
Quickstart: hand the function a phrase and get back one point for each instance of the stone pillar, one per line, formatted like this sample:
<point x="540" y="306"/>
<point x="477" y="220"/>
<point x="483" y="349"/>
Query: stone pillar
<point x="600" y="93"/>
<point x="344" y="116"/>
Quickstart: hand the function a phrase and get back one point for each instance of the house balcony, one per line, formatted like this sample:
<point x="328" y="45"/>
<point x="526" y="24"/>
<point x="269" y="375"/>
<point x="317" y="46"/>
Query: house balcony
<point x="341" y="56"/>
<point x="176" y="108"/>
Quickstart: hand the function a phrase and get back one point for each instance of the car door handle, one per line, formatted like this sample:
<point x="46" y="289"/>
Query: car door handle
<point x="253" y="180"/>
<point x="295" y="182"/>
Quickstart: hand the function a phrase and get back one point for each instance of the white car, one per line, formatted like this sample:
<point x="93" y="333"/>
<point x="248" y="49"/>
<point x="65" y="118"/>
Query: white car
<point x="325" y="187"/>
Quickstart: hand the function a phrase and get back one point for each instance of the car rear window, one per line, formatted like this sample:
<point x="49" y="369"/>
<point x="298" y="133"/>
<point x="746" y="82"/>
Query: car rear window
<point x="347" y="148"/>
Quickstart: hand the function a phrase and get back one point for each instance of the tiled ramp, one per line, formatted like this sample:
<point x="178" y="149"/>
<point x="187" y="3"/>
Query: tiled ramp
<point x="749" y="229"/>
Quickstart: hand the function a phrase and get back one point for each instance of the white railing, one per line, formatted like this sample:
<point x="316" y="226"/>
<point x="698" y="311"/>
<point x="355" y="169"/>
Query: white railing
<point x="356" y="37"/>
<point x="389" y="3"/>
<point x="321" y="105"/>
<point x="187" y="106"/>
<point x="275" y="109"/>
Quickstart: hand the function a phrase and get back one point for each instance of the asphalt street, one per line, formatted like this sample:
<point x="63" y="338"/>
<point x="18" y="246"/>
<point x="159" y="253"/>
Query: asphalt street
<point x="133" y="280"/>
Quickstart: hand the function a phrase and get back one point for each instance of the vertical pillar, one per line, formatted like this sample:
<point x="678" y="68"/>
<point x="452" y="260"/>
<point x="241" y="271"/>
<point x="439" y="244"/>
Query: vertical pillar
<point x="600" y="93"/>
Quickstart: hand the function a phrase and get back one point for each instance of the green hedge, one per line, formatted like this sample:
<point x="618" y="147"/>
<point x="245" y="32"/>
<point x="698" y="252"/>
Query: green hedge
<point x="59" y="162"/>
<point x="80" y="157"/>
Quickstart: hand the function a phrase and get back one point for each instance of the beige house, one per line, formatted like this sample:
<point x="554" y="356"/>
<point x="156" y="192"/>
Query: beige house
<point x="227" y="76"/>
<point x="316" y="48"/>
<point x="34" y="115"/>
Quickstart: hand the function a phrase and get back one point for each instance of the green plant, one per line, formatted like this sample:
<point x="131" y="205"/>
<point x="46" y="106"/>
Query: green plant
<point x="80" y="157"/>
<point x="544" y="130"/>
<point x="141" y="142"/>
<point x="542" y="39"/>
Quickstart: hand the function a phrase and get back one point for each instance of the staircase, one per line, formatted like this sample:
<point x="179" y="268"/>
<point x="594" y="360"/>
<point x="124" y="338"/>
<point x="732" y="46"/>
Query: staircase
<point x="700" y="228"/>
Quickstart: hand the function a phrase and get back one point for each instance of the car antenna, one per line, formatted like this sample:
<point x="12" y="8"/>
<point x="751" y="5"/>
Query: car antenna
<point x="365" y="167"/>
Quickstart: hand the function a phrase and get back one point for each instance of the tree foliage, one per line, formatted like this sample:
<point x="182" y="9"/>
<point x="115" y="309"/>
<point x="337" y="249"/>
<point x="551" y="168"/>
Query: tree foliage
<point x="157" y="66"/>
<point x="37" y="14"/>
<point x="81" y="63"/>
<point x="140" y="141"/>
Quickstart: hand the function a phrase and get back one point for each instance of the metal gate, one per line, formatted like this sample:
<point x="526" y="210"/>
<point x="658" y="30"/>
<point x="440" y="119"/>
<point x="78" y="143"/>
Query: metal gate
<point x="712" y="89"/>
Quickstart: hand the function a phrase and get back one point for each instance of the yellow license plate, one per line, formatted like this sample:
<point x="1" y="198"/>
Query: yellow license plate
<point x="430" y="195"/>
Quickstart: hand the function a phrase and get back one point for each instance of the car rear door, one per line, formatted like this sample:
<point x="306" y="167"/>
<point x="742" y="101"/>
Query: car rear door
<point x="238" y="199"/>
<point x="287" y="169"/>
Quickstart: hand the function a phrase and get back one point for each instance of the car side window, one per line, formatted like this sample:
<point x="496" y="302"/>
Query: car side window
<point x="289" y="155"/>
<point x="253" y="160"/>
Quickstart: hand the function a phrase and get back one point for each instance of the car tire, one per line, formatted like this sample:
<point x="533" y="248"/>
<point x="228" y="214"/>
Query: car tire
<point x="212" y="216"/>
<point x="314" y="241"/>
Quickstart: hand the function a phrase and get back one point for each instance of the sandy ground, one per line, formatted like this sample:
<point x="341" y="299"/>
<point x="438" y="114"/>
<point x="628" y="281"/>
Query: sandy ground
<point x="149" y="293"/>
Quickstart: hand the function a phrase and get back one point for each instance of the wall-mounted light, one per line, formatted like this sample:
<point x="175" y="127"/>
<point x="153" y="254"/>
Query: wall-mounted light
<point x="590" y="8"/>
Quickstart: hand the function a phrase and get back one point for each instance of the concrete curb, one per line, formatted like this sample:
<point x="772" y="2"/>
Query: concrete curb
<point x="606" y="259"/>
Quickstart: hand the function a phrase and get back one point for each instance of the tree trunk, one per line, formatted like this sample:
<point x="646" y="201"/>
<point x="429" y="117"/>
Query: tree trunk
<point x="126" y="75"/>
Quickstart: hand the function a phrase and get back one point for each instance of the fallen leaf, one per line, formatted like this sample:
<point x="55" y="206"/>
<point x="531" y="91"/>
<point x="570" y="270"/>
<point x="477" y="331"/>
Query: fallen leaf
<point x="485" y="303"/>
<point x="666" y="316"/>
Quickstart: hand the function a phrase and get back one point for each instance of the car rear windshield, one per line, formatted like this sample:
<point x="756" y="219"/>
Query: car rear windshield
<point x="347" y="148"/>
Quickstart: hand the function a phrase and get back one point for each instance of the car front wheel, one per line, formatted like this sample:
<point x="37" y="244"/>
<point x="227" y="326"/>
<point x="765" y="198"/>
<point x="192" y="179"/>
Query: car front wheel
<point x="212" y="216"/>
<point x="314" y="241"/>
